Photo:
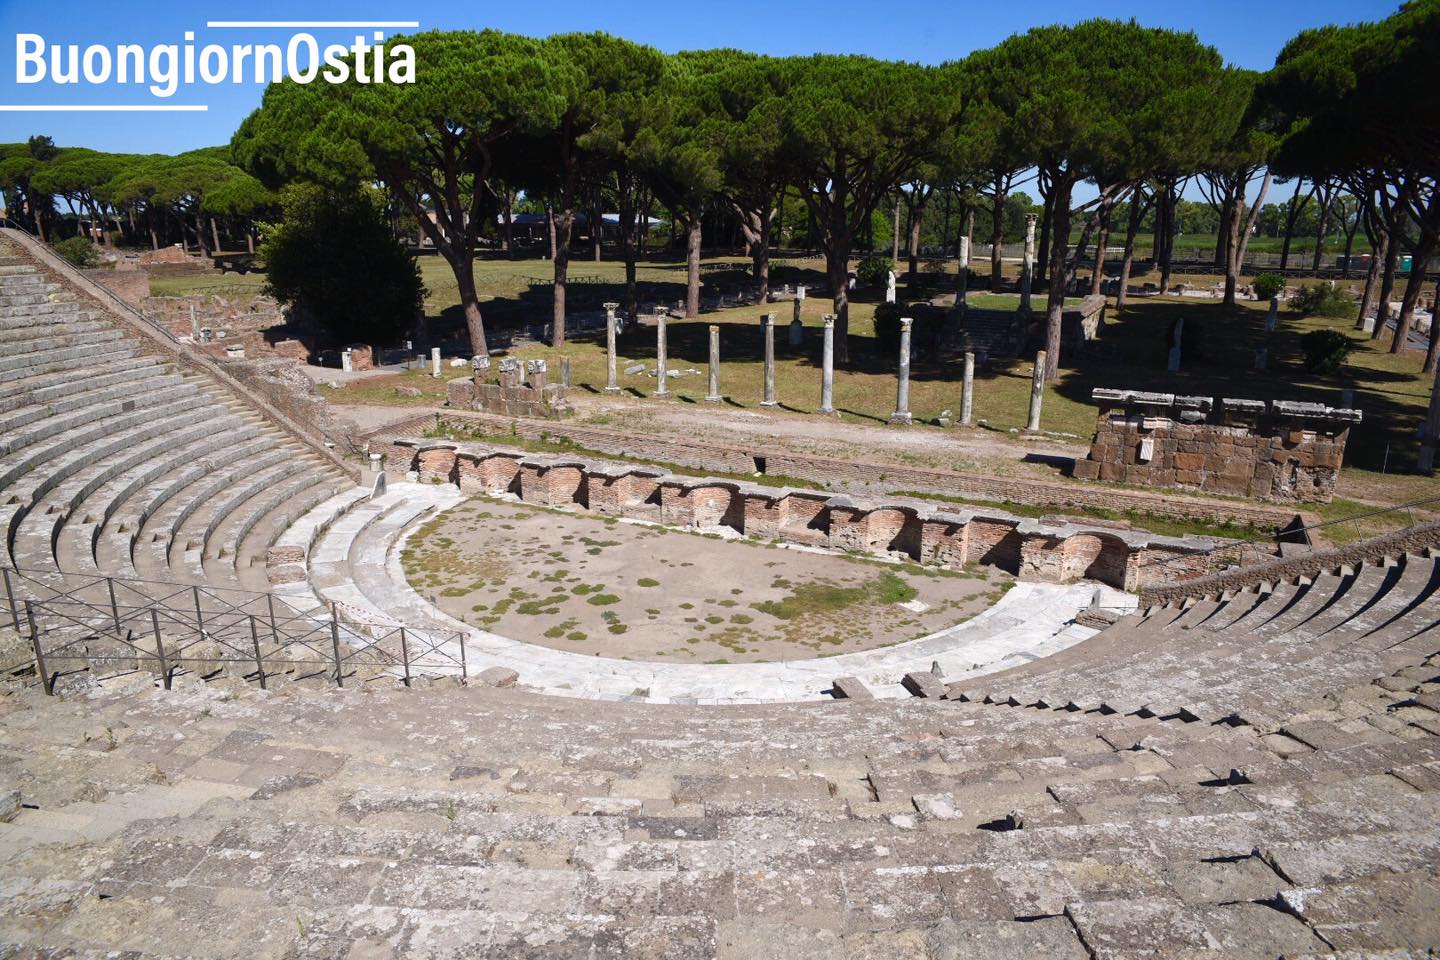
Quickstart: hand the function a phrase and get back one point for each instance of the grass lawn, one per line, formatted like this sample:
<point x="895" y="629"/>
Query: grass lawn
<point x="1130" y="353"/>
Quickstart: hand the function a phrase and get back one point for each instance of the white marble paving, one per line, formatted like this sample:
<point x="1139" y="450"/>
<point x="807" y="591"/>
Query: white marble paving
<point x="355" y="564"/>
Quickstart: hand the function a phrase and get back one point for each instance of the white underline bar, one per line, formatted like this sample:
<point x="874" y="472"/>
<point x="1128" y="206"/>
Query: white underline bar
<point x="311" y="23"/>
<point x="102" y="108"/>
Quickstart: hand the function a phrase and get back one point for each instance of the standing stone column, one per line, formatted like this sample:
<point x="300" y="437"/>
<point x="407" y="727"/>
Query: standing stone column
<point x="827" y="368"/>
<point x="435" y="362"/>
<point x="902" y="390"/>
<point x="611" y="384"/>
<point x="713" y="394"/>
<point x="797" y="324"/>
<point x="1027" y="266"/>
<point x="962" y="278"/>
<point x="1272" y="315"/>
<point x="1037" y="393"/>
<point x="967" y="391"/>
<point x="767" y="327"/>
<point x="1431" y="440"/>
<point x="662" y="368"/>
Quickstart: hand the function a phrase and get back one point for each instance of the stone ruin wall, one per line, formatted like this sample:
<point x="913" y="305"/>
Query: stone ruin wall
<point x="524" y="390"/>
<point x="1278" y="451"/>
<point x="1031" y="549"/>
<point x="878" y="479"/>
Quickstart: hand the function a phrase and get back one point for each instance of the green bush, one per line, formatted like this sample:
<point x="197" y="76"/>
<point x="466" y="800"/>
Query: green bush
<point x="1323" y="300"/>
<point x="872" y="271"/>
<point x="1268" y="285"/>
<point x="334" y="254"/>
<point x="1326" y="350"/>
<point x="78" y="252"/>
<point x="924" y="332"/>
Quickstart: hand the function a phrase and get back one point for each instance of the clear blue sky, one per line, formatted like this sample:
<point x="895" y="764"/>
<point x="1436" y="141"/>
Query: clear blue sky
<point x="1246" y="33"/>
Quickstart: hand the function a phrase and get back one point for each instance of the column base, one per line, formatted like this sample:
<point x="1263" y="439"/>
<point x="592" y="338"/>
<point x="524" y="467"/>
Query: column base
<point x="769" y="403"/>
<point x="905" y="418"/>
<point x="613" y="390"/>
<point x="662" y="395"/>
<point x="713" y="399"/>
<point x="828" y="412"/>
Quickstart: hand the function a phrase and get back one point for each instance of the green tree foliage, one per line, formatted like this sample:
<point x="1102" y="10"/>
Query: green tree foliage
<point x="1103" y="99"/>
<point x="78" y="252"/>
<point x="334" y="255"/>
<point x="1356" y="98"/>
<point x="856" y="128"/>
<point x="432" y="143"/>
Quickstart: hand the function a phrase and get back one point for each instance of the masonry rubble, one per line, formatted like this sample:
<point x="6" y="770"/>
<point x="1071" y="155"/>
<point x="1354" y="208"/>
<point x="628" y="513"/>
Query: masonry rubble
<point x="512" y="395"/>
<point x="1059" y="550"/>
<point x="1276" y="450"/>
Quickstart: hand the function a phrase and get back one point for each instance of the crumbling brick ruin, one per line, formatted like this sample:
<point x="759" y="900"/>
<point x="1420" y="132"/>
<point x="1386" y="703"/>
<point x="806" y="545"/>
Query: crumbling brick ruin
<point x="523" y="390"/>
<point x="1278" y="450"/>
<point x="1060" y="550"/>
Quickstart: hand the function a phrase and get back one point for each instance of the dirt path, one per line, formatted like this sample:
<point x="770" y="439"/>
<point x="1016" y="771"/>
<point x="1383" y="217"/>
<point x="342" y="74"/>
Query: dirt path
<point x="953" y="449"/>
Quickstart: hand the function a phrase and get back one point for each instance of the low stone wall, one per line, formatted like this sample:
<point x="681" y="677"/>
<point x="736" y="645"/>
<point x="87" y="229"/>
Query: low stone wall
<point x="1058" y="552"/>
<point x="877" y="478"/>
<point x="1277" y="450"/>
<point x="1414" y="539"/>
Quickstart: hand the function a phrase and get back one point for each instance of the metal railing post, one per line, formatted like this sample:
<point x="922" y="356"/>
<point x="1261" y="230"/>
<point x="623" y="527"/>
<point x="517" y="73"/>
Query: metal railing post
<point x="160" y="648"/>
<point x="10" y="596"/>
<point x="464" y="678"/>
<point x="114" y="607"/>
<point x="199" y="618"/>
<point x="405" y="655"/>
<point x="255" y="643"/>
<point x="274" y="630"/>
<point x="335" y="642"/>
<point x="47" y="682"/>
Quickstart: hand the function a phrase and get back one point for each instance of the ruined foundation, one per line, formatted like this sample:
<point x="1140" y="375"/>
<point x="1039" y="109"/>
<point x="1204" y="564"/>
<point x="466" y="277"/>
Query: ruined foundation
<point x="1061" y="551"/>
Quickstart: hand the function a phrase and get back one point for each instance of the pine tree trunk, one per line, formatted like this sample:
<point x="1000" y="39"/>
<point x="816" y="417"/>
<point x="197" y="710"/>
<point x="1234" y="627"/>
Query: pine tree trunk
<point x="470" y="304"/>
<point x="1419" y="260"/>
<point x="917" y="218"/>
<point x="562" y="225"/>
<point x="507" y="217"/>
<point x="895" y="234"/>
<point x="1101" y="242"/>
<point x="837" y="269"/>
<point x="1137" y="213"/>
<point x="692" y="263"/>
<point x="1320" y="230"/>
<point x="997" y="238"/>
<point x="1378" y="250"/>
<point x="1387" y="287"/>
<point x="1055" y="305"/>
<point x="1042" y="256"/>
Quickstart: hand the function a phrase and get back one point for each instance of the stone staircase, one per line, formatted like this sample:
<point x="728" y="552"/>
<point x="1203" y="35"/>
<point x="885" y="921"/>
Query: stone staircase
<point x="113" y="462"/>
<point x="1254" y="774"/>
<point x="214" y="820"/>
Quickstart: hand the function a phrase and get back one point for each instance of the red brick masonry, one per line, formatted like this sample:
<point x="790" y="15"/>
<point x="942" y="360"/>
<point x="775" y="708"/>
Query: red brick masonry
<point x="874" y="478"/>
<point x="1051" y="551"/>
<point x="1279" y="451"/>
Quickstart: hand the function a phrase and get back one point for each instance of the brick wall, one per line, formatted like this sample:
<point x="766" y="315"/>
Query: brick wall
<point x="1283" y="452"/>
<point x="1059" y="552"/>
<point x="874" y="478"/>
